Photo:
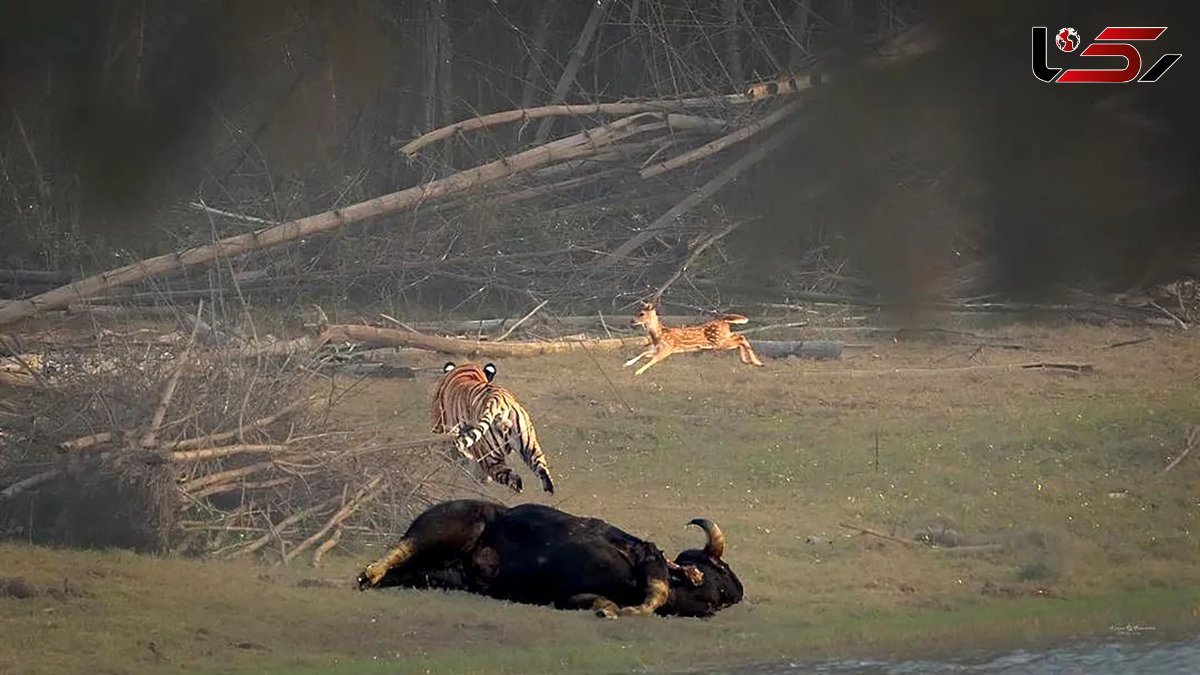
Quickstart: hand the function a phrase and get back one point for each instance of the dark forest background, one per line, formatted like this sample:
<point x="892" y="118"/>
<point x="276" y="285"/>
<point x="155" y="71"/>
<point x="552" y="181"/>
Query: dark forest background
<point x="951" y="174"/>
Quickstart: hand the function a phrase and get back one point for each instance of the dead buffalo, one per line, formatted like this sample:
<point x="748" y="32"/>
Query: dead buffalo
<point x="540" y="555"/>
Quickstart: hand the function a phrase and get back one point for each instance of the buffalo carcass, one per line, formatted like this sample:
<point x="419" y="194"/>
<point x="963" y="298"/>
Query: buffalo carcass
<point x="540" y="555"/>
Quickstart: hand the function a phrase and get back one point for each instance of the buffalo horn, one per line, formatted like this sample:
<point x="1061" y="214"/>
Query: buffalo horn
<point x="716" y="539"/>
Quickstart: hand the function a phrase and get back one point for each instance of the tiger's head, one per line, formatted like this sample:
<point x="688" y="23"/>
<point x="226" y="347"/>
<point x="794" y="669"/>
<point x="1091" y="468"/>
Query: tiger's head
<point x="489" y="369"/>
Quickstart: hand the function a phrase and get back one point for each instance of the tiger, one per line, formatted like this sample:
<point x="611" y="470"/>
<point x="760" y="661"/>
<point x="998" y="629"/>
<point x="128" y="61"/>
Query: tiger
<point x="488" y="423"/>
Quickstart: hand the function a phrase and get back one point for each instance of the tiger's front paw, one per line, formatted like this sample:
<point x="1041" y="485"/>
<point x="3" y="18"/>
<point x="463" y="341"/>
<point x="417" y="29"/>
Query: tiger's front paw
<point x="547" y="482"/>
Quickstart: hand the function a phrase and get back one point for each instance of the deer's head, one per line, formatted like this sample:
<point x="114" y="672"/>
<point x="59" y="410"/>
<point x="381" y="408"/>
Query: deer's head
<point x="644" y="316"/>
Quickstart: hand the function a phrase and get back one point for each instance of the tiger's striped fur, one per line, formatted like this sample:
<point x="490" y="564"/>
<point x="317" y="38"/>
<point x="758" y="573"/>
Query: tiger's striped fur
<point x="488" y="424"/>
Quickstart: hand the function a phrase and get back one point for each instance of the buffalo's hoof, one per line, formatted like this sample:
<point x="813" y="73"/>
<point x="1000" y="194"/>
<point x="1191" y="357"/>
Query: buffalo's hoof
<point x="370" y="576"/>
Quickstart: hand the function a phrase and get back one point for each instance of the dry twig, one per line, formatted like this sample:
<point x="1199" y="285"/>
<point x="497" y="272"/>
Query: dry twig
<point x="1193" y="437"/>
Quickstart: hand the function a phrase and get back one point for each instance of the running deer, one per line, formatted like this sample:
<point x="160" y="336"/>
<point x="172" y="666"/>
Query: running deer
<point x="714" y="334"/>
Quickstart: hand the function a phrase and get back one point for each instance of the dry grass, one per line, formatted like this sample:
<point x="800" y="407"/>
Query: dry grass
<point x="779" y="457"/>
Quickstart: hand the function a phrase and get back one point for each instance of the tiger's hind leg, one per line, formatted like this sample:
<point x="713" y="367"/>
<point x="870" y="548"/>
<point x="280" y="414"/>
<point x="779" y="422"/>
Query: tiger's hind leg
<point x="504" y="475"/>
<point x="531" y="454"/>
<point x="496" y="469"/>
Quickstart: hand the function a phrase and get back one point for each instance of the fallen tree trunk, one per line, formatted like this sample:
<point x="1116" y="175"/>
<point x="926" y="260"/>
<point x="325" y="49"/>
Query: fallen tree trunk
<point x="723" y="142"/>
<point x="735" y="168"/>
<point x="388" y="337"/>
<point x="805" y="349"/>
<point x="566" y="110"/>
<point x="585" y="321"/>
<point x="813" y="349"/>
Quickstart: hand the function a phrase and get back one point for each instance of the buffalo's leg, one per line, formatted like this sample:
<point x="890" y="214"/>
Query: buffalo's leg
<point x="656" y="596"/>
<point x="398" y="555"/>
<point x="439" y="535"/>
<point x="655" y="575"/>
<point x="602" y="606"/>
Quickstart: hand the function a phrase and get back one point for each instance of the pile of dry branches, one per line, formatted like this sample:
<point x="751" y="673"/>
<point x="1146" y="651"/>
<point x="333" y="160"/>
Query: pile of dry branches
<point x="166" y="445"/>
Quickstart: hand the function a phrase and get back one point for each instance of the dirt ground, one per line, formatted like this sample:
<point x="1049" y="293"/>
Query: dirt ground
<point x="1043" y="489"/>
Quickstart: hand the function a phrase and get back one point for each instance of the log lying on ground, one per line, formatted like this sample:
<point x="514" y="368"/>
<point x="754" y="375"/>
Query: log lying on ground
<point x="587" y="321"/>
<point x="387" y="337"/>
<point x="805" y="349"/>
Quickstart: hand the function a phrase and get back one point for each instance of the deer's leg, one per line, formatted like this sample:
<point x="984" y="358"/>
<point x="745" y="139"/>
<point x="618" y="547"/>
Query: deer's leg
<point x="648" y="352"/>
<point x="746" y="352"/>
<point x="658" y="356"/>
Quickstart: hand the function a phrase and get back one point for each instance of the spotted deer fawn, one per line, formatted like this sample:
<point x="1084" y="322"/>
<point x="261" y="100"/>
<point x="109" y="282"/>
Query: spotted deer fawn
<point x="714" y="334"/>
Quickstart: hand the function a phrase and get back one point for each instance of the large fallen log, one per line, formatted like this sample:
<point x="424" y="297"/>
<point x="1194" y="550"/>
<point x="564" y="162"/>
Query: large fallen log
<point x="694" y="199"/>
<point x="388" y="337"/>
<point x="805" y="349"/>
<point x="620" y="321"/>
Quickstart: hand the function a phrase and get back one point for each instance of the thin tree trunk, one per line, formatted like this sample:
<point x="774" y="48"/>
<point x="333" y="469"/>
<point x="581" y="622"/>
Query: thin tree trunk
<point x="733" y="43"/>
<point x="537" y="52"/>
<point x="577" y="53"/>
<point x="431" y="63"/>
<point x="797" y="26"/>
<point x="445" y="55"/>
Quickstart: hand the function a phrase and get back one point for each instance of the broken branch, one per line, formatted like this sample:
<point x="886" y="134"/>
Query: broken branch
<point x="367" y="492"/>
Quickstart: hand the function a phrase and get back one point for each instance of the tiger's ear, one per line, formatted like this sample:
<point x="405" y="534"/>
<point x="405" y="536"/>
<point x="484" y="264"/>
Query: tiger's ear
<point x="489" y="369"/>
<point x="448" y="367"/>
